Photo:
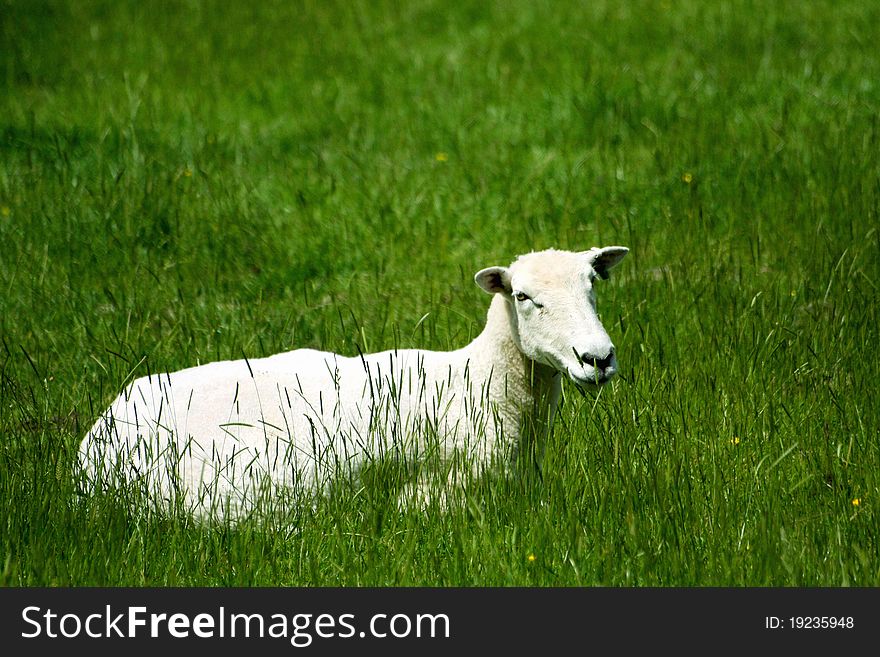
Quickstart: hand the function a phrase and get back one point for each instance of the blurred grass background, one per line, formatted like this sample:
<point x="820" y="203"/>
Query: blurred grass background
<point x="183" y="182"/>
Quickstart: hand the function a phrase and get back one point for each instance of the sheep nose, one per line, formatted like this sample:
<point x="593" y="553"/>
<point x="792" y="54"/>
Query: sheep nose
<point x="599" y="363"/>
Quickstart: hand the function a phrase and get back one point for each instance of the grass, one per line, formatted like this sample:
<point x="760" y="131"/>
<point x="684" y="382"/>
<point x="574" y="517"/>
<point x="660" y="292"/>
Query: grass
<point x="191" y="181"/>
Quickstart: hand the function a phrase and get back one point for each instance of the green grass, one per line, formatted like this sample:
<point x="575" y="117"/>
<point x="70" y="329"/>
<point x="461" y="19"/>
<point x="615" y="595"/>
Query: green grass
<point x="191" y="181"/>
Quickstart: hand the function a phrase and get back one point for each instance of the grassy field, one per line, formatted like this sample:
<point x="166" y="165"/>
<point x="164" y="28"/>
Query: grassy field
<point x="183" y="182"/>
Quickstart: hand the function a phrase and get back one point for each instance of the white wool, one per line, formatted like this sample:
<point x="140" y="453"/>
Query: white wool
<point x="219" y="436"/>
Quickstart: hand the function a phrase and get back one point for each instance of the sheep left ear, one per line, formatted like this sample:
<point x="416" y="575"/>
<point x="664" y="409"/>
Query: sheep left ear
<point x="494" y="280"/>
<point x="606" y="258"/>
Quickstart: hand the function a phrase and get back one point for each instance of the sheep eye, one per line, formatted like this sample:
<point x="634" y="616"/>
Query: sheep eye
<point x="520" y="296"/>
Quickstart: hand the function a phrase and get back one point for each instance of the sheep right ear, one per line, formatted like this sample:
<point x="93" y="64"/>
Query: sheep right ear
<point x="494" y="280"/>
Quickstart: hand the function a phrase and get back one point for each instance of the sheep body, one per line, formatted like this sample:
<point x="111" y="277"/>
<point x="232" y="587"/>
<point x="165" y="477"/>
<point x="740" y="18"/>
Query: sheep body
<point x="219" y="435"/>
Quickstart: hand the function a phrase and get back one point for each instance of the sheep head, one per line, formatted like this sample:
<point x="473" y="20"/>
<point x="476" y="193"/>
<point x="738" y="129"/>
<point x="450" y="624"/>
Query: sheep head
<point x="551" y="303"/>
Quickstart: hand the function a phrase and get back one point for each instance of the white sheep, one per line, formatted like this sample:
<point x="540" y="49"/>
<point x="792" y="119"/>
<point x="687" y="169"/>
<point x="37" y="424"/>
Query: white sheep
<point x="223" y="436"/>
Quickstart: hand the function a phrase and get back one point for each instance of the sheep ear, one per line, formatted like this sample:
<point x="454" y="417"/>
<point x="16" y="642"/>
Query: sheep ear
<point x="606" y="258"/>
<point x="494" y="280"/>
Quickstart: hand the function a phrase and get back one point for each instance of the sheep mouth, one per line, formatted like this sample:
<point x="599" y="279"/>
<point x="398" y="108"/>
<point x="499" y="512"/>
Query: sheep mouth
<point x="597" y="379"/>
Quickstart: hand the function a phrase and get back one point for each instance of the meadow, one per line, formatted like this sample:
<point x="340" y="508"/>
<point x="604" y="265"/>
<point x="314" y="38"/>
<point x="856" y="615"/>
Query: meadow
<point x="182" y="182"/>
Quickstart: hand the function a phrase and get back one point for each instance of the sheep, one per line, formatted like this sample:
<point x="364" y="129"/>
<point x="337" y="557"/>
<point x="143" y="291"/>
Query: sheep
<point x="221" y="436"/>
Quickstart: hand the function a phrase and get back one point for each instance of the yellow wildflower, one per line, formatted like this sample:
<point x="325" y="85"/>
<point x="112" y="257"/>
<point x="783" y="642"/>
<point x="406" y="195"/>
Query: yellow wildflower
<point x="687" y="177"/>
<point x="441" y="157"/>
<point x="531" y="558"/>
<point x="856" y="501"/>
